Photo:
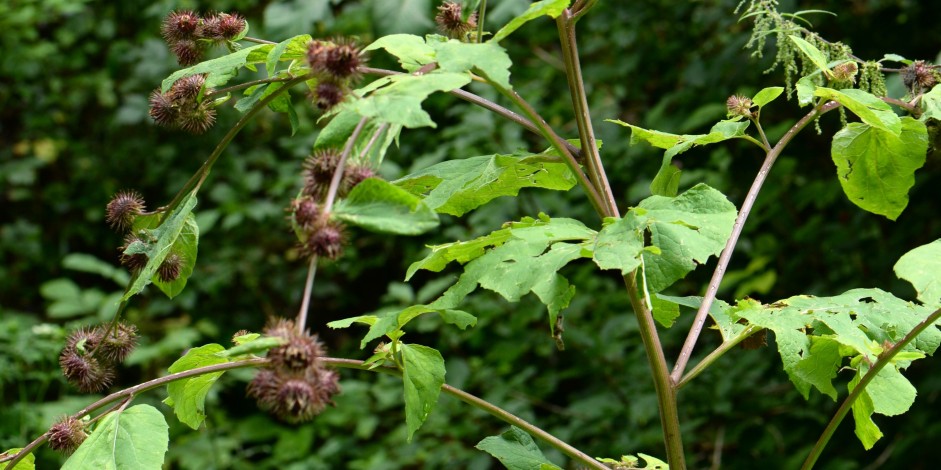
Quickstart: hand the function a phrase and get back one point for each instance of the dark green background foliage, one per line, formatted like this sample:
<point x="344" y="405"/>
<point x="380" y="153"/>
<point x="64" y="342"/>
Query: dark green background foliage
<point x="74" y="81"/>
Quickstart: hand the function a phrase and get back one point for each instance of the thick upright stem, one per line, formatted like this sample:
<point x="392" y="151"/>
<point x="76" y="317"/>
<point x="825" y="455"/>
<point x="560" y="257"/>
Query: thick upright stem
<point x="726" y="256"/>
<point x="586" y="132"/>
<point x="664" y="385"/>
<point x="884" y="359"/>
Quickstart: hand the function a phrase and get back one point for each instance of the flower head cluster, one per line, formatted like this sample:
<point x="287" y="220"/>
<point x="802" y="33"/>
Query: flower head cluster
<point x="67" y="434"/>
<point x="451" y="22"/>
<point x="739" y="106"/>
<point x="181" y="106"/>
<point x="919" y="77"/>
<point x="188" y="34"/>
<point x="89" y="356"/>
<point x="123" y="208"/>
<point x="296" y="386"/>
<point x="336" y="65"/>
<point x="319" y="235"/>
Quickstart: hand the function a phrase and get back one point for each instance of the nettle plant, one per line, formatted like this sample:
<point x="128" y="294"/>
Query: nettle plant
<point x="865" y="333"/>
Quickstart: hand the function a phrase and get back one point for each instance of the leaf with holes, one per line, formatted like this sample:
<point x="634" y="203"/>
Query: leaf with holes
<point x="458" y="186"/>
<point x="877" y="168"/>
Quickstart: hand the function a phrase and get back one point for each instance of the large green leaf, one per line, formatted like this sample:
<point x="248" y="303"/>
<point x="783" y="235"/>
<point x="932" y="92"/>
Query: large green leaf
<point x="666" y="182"/>
<point x="397" y="99"/>
<point x="134" y="438"/>
<point x="516" y="451"/>
<point x="390" y="323"/>
<point x="870" y="109"/>
<point x="380" y="206"/>
<point x="551" y="8"/>
<point x="686" y="229"/>
<point x="221" y="70"/>
<point x="876" y="168"/>
<point x="524" y="257"/>
<point x="458" y="186"/>
<point x="289" y="49"/>
<point x="157" y="242"/>
<point x="619" y="244"/>
<point x="423" y="377"/>
<point x="815" y="55"/>
<point x="814" y="334"/>
<point x="488" y="59"/>
<point x="411" y="50"/>
<point x="188" y="396"/>
<point x="922" y="267"/>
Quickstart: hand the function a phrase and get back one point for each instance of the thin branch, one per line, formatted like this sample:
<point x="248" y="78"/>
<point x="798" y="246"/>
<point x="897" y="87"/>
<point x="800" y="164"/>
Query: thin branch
<point x="486" y="104"/>
<point x="884" y="359"/>
<point x="586" y="132"/>
<point x="761" y="132"/>
<point x="257" y="41"/>
<point x="484" y="405"/>
<point x="244" y="85"/>
<point x="301" y="322"/>
<point x="716" y="354"/>
<point x="726" y="256"/>
<point x="149" y="385"/>
<point x="481" y="16"/>
<point x="327" y="206"/>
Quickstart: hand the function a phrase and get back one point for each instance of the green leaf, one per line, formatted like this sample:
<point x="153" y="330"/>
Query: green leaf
<point x="664" y="311"/>
<point x="922" y="268"/>
<point x="869" y="108"/>
<point x="188" y="396"/>
<point x="514" y="261"/>
<point x="544" y="230"/>
<point x="806" y="87"/>
<point x="516" y="451"/>
<point x="411" y="50"/>
<point x="931" y="103"/>
<point x="221" y="70"/>
<point x="134" y="438"/>
<point x="866" y="430"/>
<point x="289" y="49"/>
<point x="397" y="99"/>
<point x="666" y="182"/>
<point x="185" y="246"/>
<point x="423" y="376"/>
<point x="687" y="229"/>
<point x="812" y="53"/>
<point x="391" y="321"/>
<point x="27" y="463"/>
<point x="891" y="393"/>
<point x="767" y="95"/>
<point x="488" y="59"/>
<point x="720" y="311"/>
<point x="258" y="345"/>
<point x="877" y="168"/>
<point x="157" y="242"/>
<point x="380" y="206"/>
<point x="619" y="244"/>
<point x="458" y="186"/>
<point x="860" y="321"/>
<point x="551" y="8"/>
